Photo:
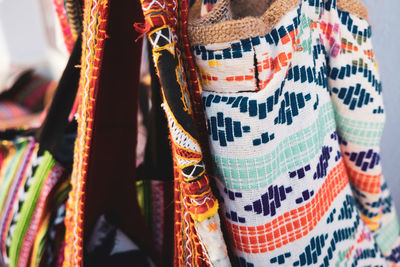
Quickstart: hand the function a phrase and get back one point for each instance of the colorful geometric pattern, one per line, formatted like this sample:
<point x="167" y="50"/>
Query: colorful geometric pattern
<point x="29" y="184"/>
<point x="294" y="120"/>
<point x="198" y="237"/>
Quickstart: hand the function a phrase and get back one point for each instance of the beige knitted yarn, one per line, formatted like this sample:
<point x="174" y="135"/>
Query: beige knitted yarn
<point x="250" y="18"/>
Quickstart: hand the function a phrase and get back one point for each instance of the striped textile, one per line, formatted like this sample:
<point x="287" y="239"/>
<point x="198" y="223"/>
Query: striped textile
<point x="294" y="119"/>
<point x="32" y="189"/>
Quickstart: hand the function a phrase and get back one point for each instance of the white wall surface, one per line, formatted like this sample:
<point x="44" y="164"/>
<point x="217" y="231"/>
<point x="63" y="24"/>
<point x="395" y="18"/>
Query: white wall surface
<point x="30" y="35"/>
<point x="385" y="19"/>
<point x="21" y="26"/>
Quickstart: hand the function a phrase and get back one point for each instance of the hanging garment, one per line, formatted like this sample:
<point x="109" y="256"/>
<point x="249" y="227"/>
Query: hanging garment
<point x="156" y="171"/>
<point x="103" y="177"/>
<point x="35" y="166"/>
<point x="198" y="236"/>
<point x="294" y="112"/>
<point x="34" y="181"/>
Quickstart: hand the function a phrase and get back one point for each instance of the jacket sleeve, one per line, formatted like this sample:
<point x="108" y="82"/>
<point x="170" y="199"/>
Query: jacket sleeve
<point x="356" y="93"/>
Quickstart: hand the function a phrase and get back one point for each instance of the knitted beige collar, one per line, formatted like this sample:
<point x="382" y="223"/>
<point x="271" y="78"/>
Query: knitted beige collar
<point x="227" y="21"/>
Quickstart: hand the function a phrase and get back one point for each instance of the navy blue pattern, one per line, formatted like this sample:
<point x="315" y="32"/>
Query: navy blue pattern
<point x="354" y="97"/>
<point x="243" y="263"/>
<point x="323" y="163"/>
<point x="330" y="218"/>
<point x="312" y="251"/>
<point x="359" y="66"/>
<point x="300" y="173"/>
<point x="224" y="129"/>
<point x="364" y="159"/>
<point x="281" y="258"/>
<point x="305" y="195"/>
<point x="270" y="201"/>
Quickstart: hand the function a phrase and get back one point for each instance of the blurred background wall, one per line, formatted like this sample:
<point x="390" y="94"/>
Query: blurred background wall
<point x="384" y="16"/>
<point x="30" y="35"/>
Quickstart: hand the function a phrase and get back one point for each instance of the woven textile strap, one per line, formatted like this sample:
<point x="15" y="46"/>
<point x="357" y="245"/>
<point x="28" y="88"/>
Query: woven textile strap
<point x="198" y="237"/>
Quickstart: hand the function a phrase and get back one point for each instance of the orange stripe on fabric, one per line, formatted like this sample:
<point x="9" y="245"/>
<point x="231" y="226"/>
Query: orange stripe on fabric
<point x="94" y="34"/>
<point x="365" y="182"/>
<point x="293" y="224"/>
<point x="349" y="47"/>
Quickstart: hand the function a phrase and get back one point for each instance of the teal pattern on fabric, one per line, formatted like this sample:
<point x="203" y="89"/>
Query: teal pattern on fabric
<point x="359" y="132"/>
<point x="388" y="235"/>
<point x="294" y="151"/>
